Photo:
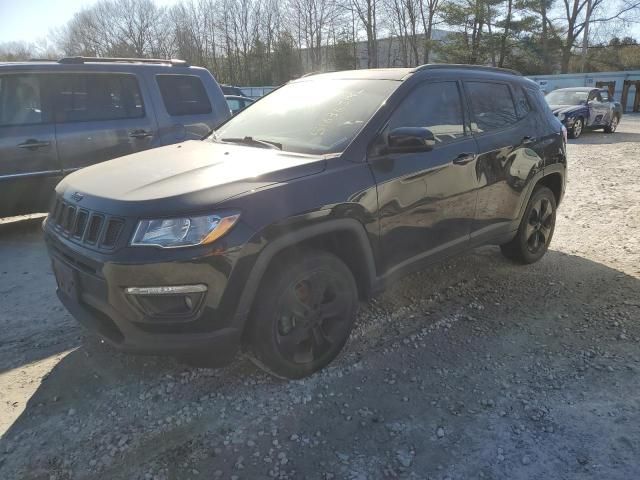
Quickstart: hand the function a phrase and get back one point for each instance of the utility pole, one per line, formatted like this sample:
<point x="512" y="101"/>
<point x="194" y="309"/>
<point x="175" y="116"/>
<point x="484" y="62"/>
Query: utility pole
<point x="585" y="36"/>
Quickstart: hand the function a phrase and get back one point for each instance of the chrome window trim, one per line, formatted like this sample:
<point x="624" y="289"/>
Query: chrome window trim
<point x="42" y="173"/>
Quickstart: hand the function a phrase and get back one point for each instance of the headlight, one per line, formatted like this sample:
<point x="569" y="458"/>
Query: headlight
<point x="561" y="116"/>
<point x="183" y="231"/>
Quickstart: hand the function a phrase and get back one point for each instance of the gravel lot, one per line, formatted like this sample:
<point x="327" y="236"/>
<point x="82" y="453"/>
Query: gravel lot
<point x="474" y="369"/>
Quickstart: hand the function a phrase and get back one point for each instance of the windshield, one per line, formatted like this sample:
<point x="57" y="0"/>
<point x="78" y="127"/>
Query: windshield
<point x="309" y="116"/>
<point x="566" y="98"/>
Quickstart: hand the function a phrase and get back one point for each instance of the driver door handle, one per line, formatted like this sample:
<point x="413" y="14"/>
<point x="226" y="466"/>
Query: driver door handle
<point x="464" y="158"/>
<point x="32" y="144"/>
<point x="140" y="134"/>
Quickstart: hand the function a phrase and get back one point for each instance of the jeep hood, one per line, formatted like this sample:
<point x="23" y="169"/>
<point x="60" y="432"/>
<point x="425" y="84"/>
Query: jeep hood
<point x="189" y="175"/>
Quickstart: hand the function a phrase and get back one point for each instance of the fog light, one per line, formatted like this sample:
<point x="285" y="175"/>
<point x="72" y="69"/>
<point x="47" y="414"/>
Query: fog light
<point x="169" y="302"/>
<point x="167" y="290"/>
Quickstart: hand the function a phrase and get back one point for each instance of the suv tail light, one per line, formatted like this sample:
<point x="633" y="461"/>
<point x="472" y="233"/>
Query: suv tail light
<point x="564" y="134"/>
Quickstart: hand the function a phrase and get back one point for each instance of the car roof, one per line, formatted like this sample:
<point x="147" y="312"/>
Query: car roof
<point x="80" y="64"/>
<point x="400" y="74"/>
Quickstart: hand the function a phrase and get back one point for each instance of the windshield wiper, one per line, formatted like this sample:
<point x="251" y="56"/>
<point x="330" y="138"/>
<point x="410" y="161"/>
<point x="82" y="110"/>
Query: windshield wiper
<point x="253" y="141"/>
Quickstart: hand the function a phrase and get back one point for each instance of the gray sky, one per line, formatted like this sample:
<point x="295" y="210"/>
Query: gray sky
<point x="30" y="20"/>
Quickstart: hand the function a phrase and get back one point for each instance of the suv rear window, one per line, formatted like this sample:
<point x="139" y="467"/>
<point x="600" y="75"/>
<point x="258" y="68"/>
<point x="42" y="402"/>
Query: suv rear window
<point x="183" y="95"/>
<point x="86" y="98"/>
<point x="20" y="102"/>
<point x="491" y="105"/>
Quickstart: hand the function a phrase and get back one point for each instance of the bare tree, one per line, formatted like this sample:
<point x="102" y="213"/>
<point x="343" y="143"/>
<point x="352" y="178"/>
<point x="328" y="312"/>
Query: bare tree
<point x="429" y="9"/>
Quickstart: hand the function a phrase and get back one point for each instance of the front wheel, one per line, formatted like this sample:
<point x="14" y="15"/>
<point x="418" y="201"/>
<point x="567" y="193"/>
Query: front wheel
<point x="303" y="315"/>
<point x="612" y="125"/>
<point x="536" y="228"/>
<point x="576" y="130"/>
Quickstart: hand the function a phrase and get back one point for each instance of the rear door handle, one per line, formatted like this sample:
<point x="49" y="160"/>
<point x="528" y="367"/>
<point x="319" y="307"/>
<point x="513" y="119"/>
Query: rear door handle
<point x="32" y="144"/>
<point x="464" y="158"/>
<point x="140" y="134"/>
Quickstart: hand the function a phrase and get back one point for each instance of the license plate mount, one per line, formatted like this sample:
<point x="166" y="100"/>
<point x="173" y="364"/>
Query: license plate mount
<point x="66" y="279"/>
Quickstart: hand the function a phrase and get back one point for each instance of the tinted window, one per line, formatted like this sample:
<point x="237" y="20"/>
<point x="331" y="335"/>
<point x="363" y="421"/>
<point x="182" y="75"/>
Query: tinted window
<point x="85" y="98"/>
<point x="435" y="106"/>
<point x="20" y="102"/>
<point x="183" y="95"/>
<point x="522" y="103"/>
<point x="234" y="104"/>
<point x="491" y="105"/>
<point x="595" y="96"/>
<point x="566" y="97"/>
<point x="228" y="90"/>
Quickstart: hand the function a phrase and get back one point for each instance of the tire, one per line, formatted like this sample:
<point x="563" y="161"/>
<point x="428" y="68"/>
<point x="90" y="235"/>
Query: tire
<point x="536" y="228"/>
<point x="576" y="130"/>
<point x="303" y="315"/>
<point x="612" y="125"/>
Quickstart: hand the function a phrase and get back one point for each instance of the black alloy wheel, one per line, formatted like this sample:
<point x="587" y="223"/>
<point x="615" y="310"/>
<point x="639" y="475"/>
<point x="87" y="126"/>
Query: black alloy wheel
<point x="539" y="225"/>
<point x="536" y="228"/>
<point x="304" y="314"/>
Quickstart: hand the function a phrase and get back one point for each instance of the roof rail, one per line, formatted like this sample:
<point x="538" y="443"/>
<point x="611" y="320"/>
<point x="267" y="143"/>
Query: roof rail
<point x="436" y="66"/>
<point x="311" y="74"/>
<point x="80" y="60"/>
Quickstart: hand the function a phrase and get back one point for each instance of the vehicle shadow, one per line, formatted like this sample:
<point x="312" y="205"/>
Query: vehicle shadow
<point x="93" y="386"/>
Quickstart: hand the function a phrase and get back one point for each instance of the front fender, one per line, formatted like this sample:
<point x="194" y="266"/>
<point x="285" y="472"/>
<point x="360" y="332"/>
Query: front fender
<point x="294" y="237"/>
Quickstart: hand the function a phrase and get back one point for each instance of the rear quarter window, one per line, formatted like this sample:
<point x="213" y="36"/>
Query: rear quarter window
<point x="523" y="106"/>
<point x="183" y="95"/>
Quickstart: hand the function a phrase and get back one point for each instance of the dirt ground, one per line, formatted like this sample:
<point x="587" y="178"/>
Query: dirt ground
<point x="473" y="369"/>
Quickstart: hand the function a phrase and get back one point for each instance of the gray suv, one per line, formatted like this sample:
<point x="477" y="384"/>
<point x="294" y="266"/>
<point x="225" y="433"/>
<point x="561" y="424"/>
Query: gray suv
<point x="57" y="117"/>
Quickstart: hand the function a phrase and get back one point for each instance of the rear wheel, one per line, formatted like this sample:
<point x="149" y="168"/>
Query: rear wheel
<point x="303" y="315"/>
<point x="612" y="125"/>
<point x="536" y="228"/>
<point x="576" y="129"/>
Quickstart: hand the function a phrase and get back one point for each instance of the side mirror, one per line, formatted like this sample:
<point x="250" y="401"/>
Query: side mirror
<point x="410" y="140"/>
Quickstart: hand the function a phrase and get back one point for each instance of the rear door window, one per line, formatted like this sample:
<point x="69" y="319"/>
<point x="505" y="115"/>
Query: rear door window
<point x="20" y="100"/>
<point x="492" y="106"/>
<point x="183" y="95"/>
<point x="85" y="98"/>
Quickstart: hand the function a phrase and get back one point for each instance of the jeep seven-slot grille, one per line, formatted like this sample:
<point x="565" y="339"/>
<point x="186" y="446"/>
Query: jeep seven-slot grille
<point x="86" y="226"/>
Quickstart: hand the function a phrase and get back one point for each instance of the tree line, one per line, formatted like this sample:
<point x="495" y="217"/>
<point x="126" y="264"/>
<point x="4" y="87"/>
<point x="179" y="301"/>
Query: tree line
<point x="268" y="42"/>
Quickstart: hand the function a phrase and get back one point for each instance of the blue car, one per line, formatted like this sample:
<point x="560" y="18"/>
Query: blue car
<point x="585" y="107"/>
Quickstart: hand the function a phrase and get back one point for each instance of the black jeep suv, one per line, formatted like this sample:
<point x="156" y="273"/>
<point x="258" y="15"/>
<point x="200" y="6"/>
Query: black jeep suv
<point x="267" y="233"/>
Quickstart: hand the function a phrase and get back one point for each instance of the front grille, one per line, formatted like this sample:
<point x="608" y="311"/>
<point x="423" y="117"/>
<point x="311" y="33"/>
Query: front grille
<point x="81" y="223"/>
<point x="84" y="226"/>
<point x="95" y="225"/>
<point x="111" y="234"/>
<point x="69" y="218"/>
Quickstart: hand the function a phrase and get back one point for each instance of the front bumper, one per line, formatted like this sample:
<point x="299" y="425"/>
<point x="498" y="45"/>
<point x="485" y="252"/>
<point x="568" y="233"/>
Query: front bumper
<point x="99" y="300"/>
<point x="125" y="336"/>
